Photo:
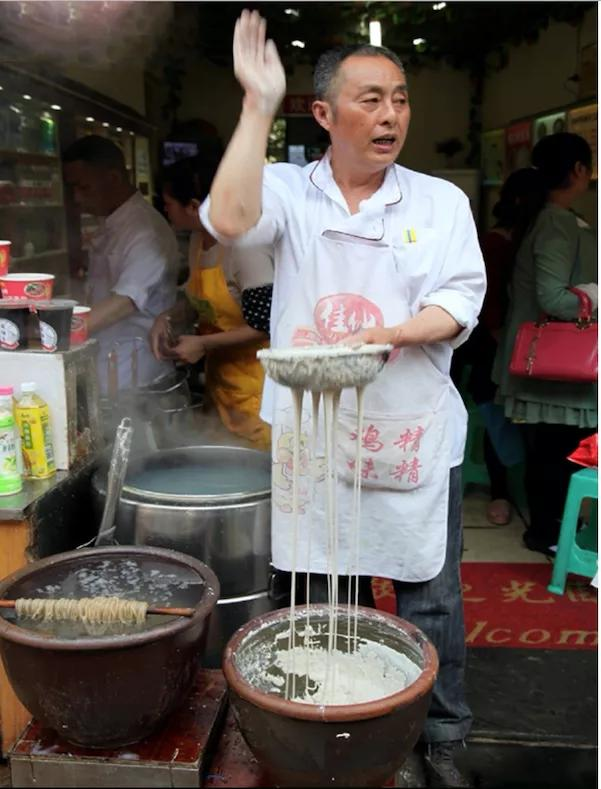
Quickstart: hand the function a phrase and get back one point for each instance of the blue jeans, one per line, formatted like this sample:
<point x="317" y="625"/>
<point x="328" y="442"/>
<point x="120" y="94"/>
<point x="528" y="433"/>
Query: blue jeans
<point x="436" y="607"/>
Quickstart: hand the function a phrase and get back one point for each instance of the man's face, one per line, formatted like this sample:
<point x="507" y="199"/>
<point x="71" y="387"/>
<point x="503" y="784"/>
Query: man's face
<point x="93" y="187"/>
<point x="368" y="115"/>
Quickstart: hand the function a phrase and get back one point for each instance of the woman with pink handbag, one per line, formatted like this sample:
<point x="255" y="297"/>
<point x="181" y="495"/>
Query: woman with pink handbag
<point x="559" y="253"/>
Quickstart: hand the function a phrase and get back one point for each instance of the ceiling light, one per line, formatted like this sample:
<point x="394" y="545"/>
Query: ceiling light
<point x="89" y="119"/>
<point x="292" y="12"/>
<point x="55" y="107"/>
<point x="1" y="88"/>
<point x="15" y="109"/>
<point x="439" y="6"/>
<point x="119" y="128"/>
<point x="27" y="96"/>
<point x="297" y="43"/>
<point x="418" y="41"/>
<point x="106" y="125"/>
<point x="375" y="34"/>
<point x="131" y="134"/>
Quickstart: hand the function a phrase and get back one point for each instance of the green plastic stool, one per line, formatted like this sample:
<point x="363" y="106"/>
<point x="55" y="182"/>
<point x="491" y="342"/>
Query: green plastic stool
<point x="572" y="557"/>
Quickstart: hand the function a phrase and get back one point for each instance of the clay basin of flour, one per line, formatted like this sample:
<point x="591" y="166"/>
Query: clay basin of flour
<point x="302" y="744"/>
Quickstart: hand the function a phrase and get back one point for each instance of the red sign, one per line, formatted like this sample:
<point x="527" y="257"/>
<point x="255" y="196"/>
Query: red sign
<point x="518" y="143"/>
<point x="298" y="104"/>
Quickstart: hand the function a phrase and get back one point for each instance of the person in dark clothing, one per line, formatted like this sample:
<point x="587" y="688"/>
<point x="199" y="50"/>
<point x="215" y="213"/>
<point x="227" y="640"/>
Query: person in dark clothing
<point x="520" y="199"/>
<point x="558" y="252"/>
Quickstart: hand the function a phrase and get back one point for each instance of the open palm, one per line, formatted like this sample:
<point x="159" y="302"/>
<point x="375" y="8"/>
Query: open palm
<point x="257" y="65"/>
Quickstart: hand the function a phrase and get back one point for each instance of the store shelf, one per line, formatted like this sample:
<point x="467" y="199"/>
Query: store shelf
<point x="31" y="206"/>
<point x="40" y="256"/>
<point x="44" y="158"/>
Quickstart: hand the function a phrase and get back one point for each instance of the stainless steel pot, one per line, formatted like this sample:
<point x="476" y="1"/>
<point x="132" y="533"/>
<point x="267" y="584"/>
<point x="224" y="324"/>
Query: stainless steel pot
<point x="176" y="427"/>
<point x="229" y="614"/>
<point x="231" y="533"/>
<point x="160" y="411"/>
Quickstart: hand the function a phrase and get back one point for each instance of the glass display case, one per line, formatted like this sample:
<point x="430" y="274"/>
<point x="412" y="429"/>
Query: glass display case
<point x="32" y="209"/>
<point x="40" y="115"/>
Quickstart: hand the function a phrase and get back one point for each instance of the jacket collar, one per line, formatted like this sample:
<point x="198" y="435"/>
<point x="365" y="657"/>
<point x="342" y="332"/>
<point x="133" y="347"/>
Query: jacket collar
<point x="121" y="213"/>
<point x="389" y="193"/>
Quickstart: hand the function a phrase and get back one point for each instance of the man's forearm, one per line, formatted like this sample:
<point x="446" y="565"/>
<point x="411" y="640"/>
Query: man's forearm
<point x="432" y="324"/>
<point x="237" y="186"/>
<point x="109" y="311"/>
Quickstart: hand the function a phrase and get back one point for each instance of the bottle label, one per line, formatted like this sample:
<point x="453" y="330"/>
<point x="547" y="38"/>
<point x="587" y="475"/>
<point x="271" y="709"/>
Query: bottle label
<point x="36" y="441"/>
<point x="9" y="334"/>
<point x="10" y="478"/>
<point x="48" y="336"/>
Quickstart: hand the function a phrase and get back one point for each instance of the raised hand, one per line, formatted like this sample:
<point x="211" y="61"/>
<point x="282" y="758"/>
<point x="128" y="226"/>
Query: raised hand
<point x="257" y="65"/>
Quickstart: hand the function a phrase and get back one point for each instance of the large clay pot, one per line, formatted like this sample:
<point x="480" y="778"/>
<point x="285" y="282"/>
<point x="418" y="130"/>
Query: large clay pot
<point x="302" y="744"/>
<point x="112" y="690"/>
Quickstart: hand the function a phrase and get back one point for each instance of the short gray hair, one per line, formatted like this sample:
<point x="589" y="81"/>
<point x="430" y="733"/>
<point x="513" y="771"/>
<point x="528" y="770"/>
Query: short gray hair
<point x="328" y="65"/>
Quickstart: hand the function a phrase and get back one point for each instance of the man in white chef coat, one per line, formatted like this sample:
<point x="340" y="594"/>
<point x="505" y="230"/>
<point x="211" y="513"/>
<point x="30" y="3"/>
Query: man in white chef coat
<point x="373" y="251"/>
<point x="133" y="260"/>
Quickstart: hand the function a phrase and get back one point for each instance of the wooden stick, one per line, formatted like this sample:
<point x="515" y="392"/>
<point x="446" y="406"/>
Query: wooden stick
<point x="150" y="609"/>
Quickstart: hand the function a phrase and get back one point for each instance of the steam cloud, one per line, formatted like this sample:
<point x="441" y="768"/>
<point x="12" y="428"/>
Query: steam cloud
<point x="83" y="32"/>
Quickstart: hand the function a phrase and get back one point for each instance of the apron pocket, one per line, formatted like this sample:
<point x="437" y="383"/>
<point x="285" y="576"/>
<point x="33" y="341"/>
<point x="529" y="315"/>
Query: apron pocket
<point x="398" y="451"/>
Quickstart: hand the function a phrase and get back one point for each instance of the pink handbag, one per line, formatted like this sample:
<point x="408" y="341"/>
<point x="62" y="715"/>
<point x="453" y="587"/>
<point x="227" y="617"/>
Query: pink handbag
<point x="554" y="350"/>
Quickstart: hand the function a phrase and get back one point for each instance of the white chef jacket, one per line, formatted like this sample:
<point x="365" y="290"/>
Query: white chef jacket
<point x="134" y="253"/>
<point x="298" y="203"/>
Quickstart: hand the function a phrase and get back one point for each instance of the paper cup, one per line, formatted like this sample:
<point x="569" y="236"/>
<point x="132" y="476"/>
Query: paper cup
<point x="14" y="324"/>
<point x="4" y="257"/>
<point x="79" y="324"/>
<point x="35" y="287"/>
<point x="55" y="323"/>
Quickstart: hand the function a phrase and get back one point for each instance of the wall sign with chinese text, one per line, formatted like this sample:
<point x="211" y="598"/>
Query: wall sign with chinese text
<point x="298" y="104"/>
<point x="583" y="121"/>
<point x="518" y="144"/>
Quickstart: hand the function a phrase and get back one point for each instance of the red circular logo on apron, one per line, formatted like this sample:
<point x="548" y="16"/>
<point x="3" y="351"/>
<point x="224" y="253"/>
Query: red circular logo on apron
<point x="337" y="317"/>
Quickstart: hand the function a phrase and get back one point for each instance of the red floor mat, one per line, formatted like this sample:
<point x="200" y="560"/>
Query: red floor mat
<point x="508" y="605"/>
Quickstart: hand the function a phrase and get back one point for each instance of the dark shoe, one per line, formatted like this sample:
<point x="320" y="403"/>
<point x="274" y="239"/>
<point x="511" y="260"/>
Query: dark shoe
<point x="441" y="770"/>
<point x="538" y="544"/>
<point x="411" y="775"/>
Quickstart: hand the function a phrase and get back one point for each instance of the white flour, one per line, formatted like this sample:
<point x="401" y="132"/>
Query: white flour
<point x="370" y="673"/>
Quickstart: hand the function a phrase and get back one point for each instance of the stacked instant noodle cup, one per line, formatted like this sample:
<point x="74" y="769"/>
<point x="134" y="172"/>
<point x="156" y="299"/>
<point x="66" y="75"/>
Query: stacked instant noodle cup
<point x="60" y="322"/>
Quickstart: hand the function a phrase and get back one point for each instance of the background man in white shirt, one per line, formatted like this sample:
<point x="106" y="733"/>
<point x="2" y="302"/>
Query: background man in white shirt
<point x="133" y="258"/>
<point x="368" y="250"/>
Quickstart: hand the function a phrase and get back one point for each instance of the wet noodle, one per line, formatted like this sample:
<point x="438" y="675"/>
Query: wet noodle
<point x="92" y="612"/>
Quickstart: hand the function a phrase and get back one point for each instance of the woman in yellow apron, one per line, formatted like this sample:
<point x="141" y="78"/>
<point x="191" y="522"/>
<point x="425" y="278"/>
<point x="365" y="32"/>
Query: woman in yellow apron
<point x="229" y="297"/>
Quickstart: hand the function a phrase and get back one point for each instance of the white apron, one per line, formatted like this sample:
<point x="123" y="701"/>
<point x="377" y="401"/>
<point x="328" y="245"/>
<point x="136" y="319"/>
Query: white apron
<point x="347" y="281"/>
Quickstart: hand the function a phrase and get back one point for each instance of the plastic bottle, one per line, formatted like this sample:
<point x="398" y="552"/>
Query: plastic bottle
<point x="10" y="466"/>
<point x="33" y="419"/>
<point x="47" y="134"/>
